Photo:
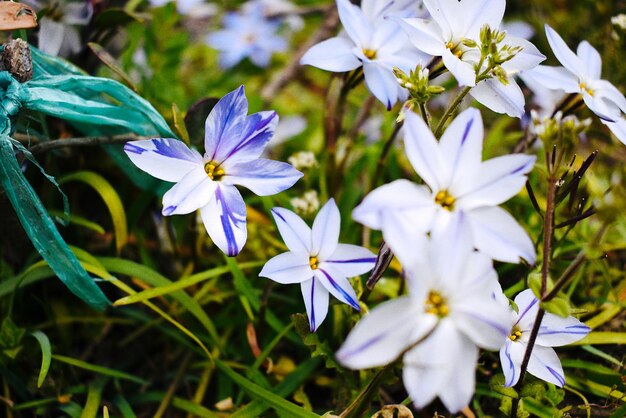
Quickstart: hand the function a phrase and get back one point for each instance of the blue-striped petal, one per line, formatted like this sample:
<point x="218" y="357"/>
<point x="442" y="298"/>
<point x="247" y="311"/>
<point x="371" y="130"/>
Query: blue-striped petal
<point x="316" y="302"/>
<point x="545" y="364"/>
<point x="336" y="283"/>
<point x="352" y="260"/>
<point x="164" y="158"/>
<point x="224" y="125"/>
<point x="224" y="218"/>
<point x="262" y="176"/>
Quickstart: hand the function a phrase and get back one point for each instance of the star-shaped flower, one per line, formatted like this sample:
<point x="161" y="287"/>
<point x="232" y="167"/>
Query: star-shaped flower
<point x="581" y="74"/>
<point x="248" y="34"/>
<point x="449" y="313"/>
<point x="317" y="261"/>
<point x="233" y="143"/>
<point x="454" y="21"/>
<point x="371" y="41"/>
<point x="457" y="181"/>
<point x="554" y="331"/>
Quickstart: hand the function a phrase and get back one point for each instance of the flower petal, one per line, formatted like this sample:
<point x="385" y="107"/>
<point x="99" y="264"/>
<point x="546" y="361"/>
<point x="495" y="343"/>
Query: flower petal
<point x="354" y="22"/>
<point x="498" y="180"/>
<point x="443" y="365"/>
<point x="450" y="249"/>
<point x="164" y="158"/>
<point x="295" y="232"/>
<point x="463" y="71"/>
<point x="497" y="234"/>
<point x="554" y="78"/>
<point x="401" y="197"/>
<point x="256" y="131"/>
<point x="424" y="34"/>
<point x="423" y="152"/>
<point x="557" y="331"/>
<point x="51" y="35"/>
<point x="501" y="98"/>
<point x="334" y="54"/>
<point x="382" y="83"/>
<point x="264" y="177"/>
<point x="475" y="14"/>
<point x="618" y="128"/>
<point x="336" y="283"/>
<point x="527" y="305"/>
<point x="563" y="53"/>
<point x="315" y="301"/>
<point x="529" y="57"/>
<point x="381" y="335"/>
<point x="223" y="126"/>
<point x="484" y="320"/>
<point x="225" y="220"/>
<point x="194" y="191"/>
<point x="461" y="148"/>
<point x="511" y="357"/>
<point x="407" y="241"/>
<point x="545" y="364"/>
<point x="287" y="268"/>
<point x="325" y="230"/>
<point x="352" y="260"/>
<point x="604" y="109"/>
<point x="591" y="60"/>
<point x="611" y="93"/>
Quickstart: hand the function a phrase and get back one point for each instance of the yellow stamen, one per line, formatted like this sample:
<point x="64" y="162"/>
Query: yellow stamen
<point x="369" y="53"/>
<point x="444" y="199"/>
<point x="214" y="171"/>
<point x="313" y="263"/>
<point x="436" y="305"/>
<point x="516" y="334"/>
<point x="584" y="87"/>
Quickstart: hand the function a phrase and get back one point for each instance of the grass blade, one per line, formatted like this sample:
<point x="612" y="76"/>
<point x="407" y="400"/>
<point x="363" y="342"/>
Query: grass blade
<point x="46" y="355"/>
<point x="98" y="369"/>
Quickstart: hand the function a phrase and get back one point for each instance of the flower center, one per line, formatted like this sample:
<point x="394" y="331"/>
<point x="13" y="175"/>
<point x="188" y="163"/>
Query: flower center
<point x="444" y="199"/>
<point x="456" y="49"/>
<point x="214" y="171"/>
<point x="584" y="87"/>
<point x="369" y="53"/>
<point x="516" y="334"/>
<point x="313" y="263"/>
<point x="436" y="304"/>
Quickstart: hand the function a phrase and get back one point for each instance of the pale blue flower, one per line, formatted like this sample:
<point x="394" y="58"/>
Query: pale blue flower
<point x="317" y="261"/>
<point x="373" y="41"/>
<point x="438" y="327"/>
<point x="457" y="182"/>
<point x="233" y="143"/>
<point x="580" y="73"/>
<point x="554" y="331"/>
<point x="58" y="33"/>
<point x="248" y="34"/>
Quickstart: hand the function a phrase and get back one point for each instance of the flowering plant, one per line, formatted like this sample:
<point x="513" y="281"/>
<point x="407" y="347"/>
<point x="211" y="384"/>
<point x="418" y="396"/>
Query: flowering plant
<point x="450" y="176"/>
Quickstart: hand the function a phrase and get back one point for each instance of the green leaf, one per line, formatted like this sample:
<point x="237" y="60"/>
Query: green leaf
<point x="99" y="369"/>
<point x="298" y="377"/>
<point x="46" y="355"/>
<point x="10" y="333"/>
<point x="79" y="221"/>
<point x="43" y="233"/>
<point x="94" y="397"/>
<point x="275" y="401"/>
<point x="602" y="338"/>
<point x="181" y="284"/>
<point x="132" y="269"/>
<point x="110" y="198"/>
<point x="557" y="306"/>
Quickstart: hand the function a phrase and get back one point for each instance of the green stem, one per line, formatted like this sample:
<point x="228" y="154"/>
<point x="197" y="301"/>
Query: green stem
<point x="451" y="111"/>
<point x="424" y="113"/>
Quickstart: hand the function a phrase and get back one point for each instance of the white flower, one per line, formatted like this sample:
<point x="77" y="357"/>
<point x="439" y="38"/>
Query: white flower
<point x="58" y="34"/>
<point x="554" y="331"/>
<point x="449" y="312"/>
<point x="317" y="261"/>
<point x="248" y="34"/>
<point x="371" y="41"/>
<point x="580" y="74"/>
<point x="503" y="94"/>
<point x="452" y="22"/>
<point x="233" y="143"/>
<point x="457" y="182"/>
<point x="307" y="204"/>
